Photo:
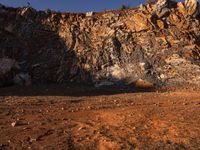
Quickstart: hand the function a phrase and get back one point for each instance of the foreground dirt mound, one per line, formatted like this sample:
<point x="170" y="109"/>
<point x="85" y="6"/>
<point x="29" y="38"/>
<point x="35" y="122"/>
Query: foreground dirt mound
<point x="103" y="120"/>
<point x="157" y="43"/>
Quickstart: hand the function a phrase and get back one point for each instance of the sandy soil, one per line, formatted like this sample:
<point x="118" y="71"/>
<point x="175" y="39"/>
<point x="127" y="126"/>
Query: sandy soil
<point x="52" y="117"/>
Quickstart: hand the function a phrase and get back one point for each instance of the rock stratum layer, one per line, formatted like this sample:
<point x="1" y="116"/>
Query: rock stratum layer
<point x="156" y="43"/>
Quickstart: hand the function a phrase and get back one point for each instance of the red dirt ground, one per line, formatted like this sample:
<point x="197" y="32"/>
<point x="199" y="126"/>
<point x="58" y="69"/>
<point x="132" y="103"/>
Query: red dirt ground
<point x="52" y="117"/>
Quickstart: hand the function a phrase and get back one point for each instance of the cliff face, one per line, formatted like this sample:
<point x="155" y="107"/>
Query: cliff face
<point x="158" y="43"/>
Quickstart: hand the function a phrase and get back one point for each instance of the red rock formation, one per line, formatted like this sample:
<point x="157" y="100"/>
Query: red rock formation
<point x="106" y="47"/>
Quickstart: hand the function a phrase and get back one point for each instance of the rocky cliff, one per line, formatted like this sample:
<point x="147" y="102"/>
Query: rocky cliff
<point x="156" y="43"/>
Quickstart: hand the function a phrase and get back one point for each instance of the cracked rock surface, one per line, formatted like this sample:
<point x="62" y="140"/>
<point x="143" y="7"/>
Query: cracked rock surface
<point x="157" y="43"/>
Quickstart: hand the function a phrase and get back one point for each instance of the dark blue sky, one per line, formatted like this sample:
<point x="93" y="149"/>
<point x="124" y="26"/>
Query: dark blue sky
<point x="73" y="5"/>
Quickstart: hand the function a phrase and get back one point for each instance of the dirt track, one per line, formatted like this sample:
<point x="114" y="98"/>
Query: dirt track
<point x="44" y="118"/>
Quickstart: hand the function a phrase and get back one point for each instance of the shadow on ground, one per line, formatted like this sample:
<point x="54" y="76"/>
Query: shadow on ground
<point x="68" y="90"/>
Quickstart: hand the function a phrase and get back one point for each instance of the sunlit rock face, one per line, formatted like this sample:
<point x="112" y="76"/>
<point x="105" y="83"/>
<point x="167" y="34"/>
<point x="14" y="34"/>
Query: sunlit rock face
<point x="191" y="6"/>
<point x="155" y="43"/>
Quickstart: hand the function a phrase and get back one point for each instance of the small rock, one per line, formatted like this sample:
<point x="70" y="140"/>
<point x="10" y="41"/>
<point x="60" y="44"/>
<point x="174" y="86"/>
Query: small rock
<point x="184" y="103"/>
<point x="14" y="124"/>
<point x="81" y="128"/>
<point x="162" y="76"/>
<point x="19" y="122"/>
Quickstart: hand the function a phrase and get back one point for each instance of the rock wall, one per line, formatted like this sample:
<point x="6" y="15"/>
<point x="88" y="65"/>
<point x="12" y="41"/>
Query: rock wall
<point x="158" y="43"/>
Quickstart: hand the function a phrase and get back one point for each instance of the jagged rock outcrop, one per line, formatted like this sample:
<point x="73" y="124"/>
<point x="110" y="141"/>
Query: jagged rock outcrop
<point x="155" y="43"/>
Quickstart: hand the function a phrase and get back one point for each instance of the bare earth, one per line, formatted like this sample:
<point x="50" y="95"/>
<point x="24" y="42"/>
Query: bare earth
<point x="50" y="117"/>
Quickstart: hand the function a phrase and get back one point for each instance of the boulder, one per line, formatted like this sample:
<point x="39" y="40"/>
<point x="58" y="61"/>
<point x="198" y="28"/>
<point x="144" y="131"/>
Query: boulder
<point x="143" y="84"/>
<point x="22" y="79"/>
<point x="7" y="70"/>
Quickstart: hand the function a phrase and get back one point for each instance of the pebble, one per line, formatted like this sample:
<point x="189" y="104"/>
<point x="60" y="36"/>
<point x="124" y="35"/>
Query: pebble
<point x="14" y="124"/>
<point x="185" y="104"/>
<point x="198" y="103"/>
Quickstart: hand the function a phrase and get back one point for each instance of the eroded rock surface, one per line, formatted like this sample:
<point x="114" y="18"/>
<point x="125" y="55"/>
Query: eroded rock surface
<point x="157" y="43"/>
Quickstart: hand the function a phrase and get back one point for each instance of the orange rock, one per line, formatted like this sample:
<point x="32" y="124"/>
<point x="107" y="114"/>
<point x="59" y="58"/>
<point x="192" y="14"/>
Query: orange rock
<point x="160" y="24"/>
<point x="174" y="19"/>
<point x="143" y="84"/>
<point x="191" y="6"/>
<point x="141" y="22"/>
<point x="181" y="8"/>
